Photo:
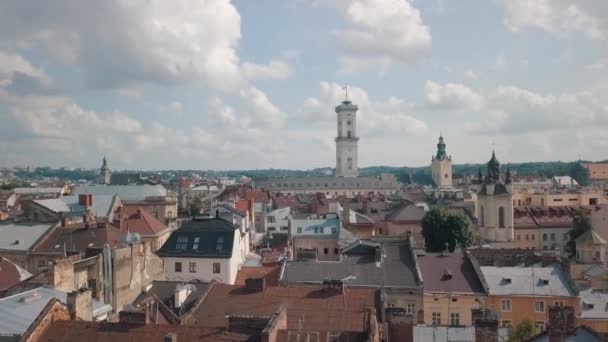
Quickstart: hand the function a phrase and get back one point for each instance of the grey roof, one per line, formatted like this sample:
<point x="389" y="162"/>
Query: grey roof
<point x="596" y="271"/>
<point x="128" y="193"/>
<point x="409" y="212"/>
<point x="37" y="190"/>
<point x="20" y="237"/>
<point x="201" y="238"/>
<point x="443" y="334"/>
<point x="102" y="204"/>
<point x="358" y="267"/>
<point x="320" y="183"/>
<point x="17" y="314"/>
<point x="594" y="304"/>
<point x="580" y="334"/>
<point x="527" y="281"/>
<point x="165" y="292"/>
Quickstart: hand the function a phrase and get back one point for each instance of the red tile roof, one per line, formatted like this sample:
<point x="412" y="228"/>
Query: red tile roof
<point x="269" y="273"/>
<point x="258" y="196"/>
<point x="78" y="331"/>
<point x="597" y="171"/>
<point x="138" y="220"/>
<point x="79" y="238"/>
<point x="308" y="308"/>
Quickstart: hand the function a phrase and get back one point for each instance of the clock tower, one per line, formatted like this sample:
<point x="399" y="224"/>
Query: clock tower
<point x="347" y="140"/>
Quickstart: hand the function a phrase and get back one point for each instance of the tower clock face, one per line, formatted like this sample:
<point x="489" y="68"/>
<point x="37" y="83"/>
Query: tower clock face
<point x="348" y="122"/>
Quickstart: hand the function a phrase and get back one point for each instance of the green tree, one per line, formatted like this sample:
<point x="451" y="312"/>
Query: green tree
<point x="440" y="228"/>
<point x="196" y="205"/>
<point x="580" y="225"/>
<point x="522" y="331"/>
<point x="580" y="174"/>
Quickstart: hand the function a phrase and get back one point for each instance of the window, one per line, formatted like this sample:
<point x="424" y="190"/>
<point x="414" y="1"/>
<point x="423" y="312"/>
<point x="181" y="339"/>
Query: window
<point x="455" y="319"/>
<point x="299" y="230"/>
<point x="544" y="236"/>
<point x="505" y="305"/>
<point x="533" y="237"/>
<point x="316" y="230"/>
<point x="322" y="230"/>
<point x="540" y="326"/>
<point x="593" y="201"/>
<point x="216" y="267"/>
<point x="539" y="306"/>
<point x="527" y="237"/>
<point x="334" y="230"/>
<point x="349" y="162"/>
<point x="518" y="237"/>
<point x="483" y="216"/>
<point x="271" y="219"/>
<point x="501" y="217"/>
<point x="195" y="245"/>
<point x="410" y="308"/>
<point x="566" y="237"/>
<point x="552" y="236"/>
<point x="348" y="134"/>
<point x="336" y="251"/>
<point x="284" y="228"/>
<point x="506" y="323"/>
<point x="220" y="243"/>
<point x="325" y="250"/>
<point x="559" y="303"/>
<point x="178" y="267"/>
<point x="271" y="229"/>
<point x="192" y="267"/>
<point x="436" y="318"/>
<point x="182" y="242"/>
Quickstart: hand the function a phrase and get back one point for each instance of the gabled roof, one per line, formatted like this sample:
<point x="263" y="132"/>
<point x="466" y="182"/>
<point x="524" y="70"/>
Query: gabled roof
<point x="527" y="281"/>
<point x="138" y="220"/>
<point x="164" y="290"/>
<point x="594" y="304"/>
<point x="79" y="238"/>
<point x="201" y="238"/>
<point x="591" y="237"/>
<point x="451" y="273"/>
<point x="11" y="274"/>
<point x="408" y="212"/>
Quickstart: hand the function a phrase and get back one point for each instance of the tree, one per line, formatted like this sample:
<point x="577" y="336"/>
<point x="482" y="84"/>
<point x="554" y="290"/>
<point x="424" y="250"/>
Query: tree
<point x="522" y="331"/>
<point x="440" y="228"/>
<point x="580" y="225"/>
<point x="196" y="205"/>
<point x="580" y="173"/>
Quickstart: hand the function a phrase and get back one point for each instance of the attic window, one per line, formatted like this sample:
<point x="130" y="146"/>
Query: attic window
<point x="182" y="242"/>
<point x="544" y="281"/>
<point x="195" y="245"/>
<point x="220" y="243"/>
<point x="588" y="305"/>
<point x="506" y="280"/>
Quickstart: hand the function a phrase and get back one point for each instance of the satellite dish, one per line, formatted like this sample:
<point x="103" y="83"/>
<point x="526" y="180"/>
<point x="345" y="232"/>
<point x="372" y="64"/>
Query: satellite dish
<point x="132" y="238"/>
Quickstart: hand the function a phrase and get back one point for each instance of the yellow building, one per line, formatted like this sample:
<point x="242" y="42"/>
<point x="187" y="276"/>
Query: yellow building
<point x="452" y="288"/>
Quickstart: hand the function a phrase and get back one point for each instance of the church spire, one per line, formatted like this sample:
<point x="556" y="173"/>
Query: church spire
<point x="493" y="175"/>
<point x="441" y="154"/>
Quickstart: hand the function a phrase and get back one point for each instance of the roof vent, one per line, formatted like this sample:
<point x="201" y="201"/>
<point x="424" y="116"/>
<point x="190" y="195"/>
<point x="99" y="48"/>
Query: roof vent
<point x="543" y="281"/>
<point x="15" y="243"/>
<point x="506" y="280"/>
<point x="30" y="298"/>
<point x="447" y="275"/>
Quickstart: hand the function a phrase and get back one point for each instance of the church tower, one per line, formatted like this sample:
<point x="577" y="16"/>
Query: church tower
<point x="441" y="166"/>
<point x="347" y="140"/>
<point x="104" y="173"/>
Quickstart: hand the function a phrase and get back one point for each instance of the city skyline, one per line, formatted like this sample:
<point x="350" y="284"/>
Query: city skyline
<point x="158" y="86"/>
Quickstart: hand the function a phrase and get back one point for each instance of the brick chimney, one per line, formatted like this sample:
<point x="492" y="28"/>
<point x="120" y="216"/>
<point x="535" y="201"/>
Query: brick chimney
<point x="80" y="304"/>
<point x="561" y="323"/>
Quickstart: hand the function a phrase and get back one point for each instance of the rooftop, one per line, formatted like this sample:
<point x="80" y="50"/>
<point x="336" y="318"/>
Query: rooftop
<point x="128" y="193"/>
<point x="452" y="272"/>
<point x="308" y="183"/>
<point x="22" y="191"/>
<point x="597" y="171"/>
<point x="358" y="267"/>
<point x="527" y="281"/>
<point x="164" y="290"/>
<point x="101" y="206"/>
<point x="308" y="308"/>
<point x="79" y="238"/>
<point x="11" y="274"/>
<point x="19" y="236"/>
<point x="203" y="238"/>
<point x="140" y="221"/>
<point x="19" y="311"/>
<point x="594" y="304"/>
<point x="591" y="237"/>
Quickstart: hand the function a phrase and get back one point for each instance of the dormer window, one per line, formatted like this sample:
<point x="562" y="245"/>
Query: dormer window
<point x="220" y="243"/>
<point x="544" y="281"/>
<point x="506" y="280"/>
<point x="182" y="242"/>
<point x="195" y="245"/>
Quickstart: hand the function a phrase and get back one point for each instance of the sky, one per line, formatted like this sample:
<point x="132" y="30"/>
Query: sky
<point x="244" y="84"/>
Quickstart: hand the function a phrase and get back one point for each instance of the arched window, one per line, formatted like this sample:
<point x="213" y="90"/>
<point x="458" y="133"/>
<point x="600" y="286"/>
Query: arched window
<point x="501" y="217"/>
<point x="482" y="216"/>
<point x="349" y="162"/>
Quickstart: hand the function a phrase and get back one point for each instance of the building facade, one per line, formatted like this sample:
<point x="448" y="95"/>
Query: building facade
<point x="347" y="140"/>
<point x="441" y="166"/>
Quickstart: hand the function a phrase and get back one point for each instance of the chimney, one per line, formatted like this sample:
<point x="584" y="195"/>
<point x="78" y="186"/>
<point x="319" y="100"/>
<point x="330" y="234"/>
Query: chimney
<point x="255" y="284"/>
<point x="80" y="304"/>
<point x="561" y="323"/>
<point x="486" y="325"/>
<point x="170" y="337"/>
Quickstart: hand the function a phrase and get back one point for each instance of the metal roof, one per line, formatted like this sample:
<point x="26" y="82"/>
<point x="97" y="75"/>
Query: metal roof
<point x="128" y="193"/>
<point x="527" y="281"/>
<point x="102" y="204"/>
<point x="37" y="190"/>
<point x="594" y="304"/>
<point x="19" y="311"/>
<point x="20" y="237"/>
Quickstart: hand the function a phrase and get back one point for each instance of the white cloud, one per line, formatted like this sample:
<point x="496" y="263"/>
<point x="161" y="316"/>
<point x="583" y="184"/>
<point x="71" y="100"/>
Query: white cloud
<point x="381" y="31"/>
<point x="176" y="107"/>
<point x="470" y="74"/>
<point x="453" y="96"/>
<point x="260" y="109"/>
<point x="599" y="64"/>
<point x="118" y="43"/>
<point x="13" y="64"/>
<point x="374" y="118"/>
<point x="276" y="69"/>
<point x="556" y="16"/>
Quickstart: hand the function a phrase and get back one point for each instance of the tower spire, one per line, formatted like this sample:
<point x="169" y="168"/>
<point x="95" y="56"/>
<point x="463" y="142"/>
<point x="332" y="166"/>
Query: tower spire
<point x="345" y="88"/>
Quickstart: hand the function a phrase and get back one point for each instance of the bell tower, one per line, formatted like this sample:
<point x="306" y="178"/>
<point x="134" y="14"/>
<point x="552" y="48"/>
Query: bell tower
<point x="441" y="166"/>
<point x="347" y="164"/>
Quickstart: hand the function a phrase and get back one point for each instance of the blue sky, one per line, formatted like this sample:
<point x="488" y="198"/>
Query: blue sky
<point x="215" y="84"/>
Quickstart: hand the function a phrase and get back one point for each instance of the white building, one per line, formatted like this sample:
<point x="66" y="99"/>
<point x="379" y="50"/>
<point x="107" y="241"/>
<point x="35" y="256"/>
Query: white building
<point x="441" y="166"/>
<point x="495" y="205"/>
<point x="277" y="221"/>
<point x="347" y="140"/>
<point x="205" y="249"/>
